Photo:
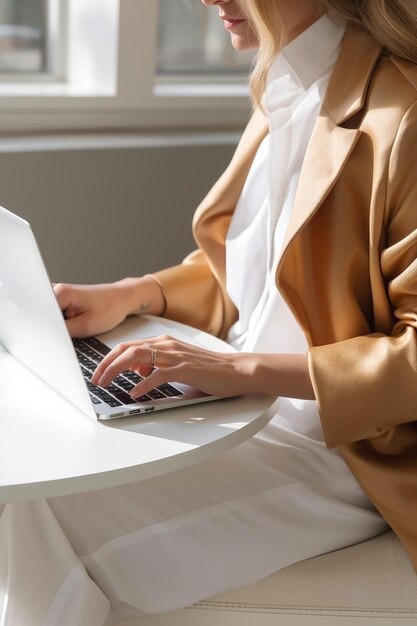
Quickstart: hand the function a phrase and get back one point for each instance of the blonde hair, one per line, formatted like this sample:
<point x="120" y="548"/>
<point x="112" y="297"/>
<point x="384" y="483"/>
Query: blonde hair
<point x="393" y="23"/>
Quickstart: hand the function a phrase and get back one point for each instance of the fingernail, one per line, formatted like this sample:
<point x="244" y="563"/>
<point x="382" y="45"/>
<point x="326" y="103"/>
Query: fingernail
<point x="135" y="393"/>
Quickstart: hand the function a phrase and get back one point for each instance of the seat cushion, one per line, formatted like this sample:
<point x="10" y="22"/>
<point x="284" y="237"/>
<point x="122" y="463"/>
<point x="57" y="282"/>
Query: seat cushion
<point x="373" y="579"/>
<point x="374" y="575"/>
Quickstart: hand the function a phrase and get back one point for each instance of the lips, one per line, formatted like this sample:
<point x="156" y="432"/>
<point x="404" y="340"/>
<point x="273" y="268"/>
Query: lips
<point x="230" y="21"/>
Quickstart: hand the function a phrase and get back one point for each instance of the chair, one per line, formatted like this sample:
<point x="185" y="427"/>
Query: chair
<point x="366" y="584"/>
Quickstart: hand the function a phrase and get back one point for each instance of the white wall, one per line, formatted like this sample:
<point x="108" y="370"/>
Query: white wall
<point x="102" y="214"/>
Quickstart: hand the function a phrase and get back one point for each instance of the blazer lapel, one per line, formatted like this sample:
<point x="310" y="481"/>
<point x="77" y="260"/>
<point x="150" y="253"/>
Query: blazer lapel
<point x="329" y="149"/>
<point x="331" y="145"/>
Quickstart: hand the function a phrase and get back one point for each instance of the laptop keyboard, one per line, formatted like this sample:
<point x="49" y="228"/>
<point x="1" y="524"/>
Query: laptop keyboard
<point x="89" y="353"/>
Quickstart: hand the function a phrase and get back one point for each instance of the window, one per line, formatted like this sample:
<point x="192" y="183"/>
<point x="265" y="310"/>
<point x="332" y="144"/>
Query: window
<point x="89" y="64"/>
<point x="192" y="41"/>
<point x="31" y="44"/>
<point x="23" y="32"/>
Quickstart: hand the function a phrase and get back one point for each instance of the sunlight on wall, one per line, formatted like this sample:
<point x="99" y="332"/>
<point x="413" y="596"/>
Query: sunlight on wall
<point x="4" y="601"/>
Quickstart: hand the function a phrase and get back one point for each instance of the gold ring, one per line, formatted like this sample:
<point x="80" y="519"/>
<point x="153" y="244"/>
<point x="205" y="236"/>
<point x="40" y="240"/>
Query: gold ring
<point x="153" y="354"/>
<point x="153" y="358"/>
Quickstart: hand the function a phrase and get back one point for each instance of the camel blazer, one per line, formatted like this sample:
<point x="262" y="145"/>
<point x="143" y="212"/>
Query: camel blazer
<point x="348" y="270"/>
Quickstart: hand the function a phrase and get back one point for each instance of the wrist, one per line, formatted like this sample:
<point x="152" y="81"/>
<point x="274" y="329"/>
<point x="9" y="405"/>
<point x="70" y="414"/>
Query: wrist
<point x="141" y="295"/>
<point x="246" y="365"/>
<point x="278" y="375"/>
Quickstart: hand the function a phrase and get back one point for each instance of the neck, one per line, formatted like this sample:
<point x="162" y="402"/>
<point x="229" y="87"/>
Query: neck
<point x="300" y="15"/>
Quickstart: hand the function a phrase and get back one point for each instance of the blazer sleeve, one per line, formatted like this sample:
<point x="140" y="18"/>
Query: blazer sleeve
<point x="195" y="290"/>
<point x="192" y="293"/>
<point x="367" y="385"/>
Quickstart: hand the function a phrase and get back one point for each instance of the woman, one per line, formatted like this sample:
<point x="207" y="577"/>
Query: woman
<point x="306" y="263"/>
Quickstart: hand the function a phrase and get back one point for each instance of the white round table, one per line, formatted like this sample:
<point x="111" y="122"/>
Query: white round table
<point x="49" y="448"/>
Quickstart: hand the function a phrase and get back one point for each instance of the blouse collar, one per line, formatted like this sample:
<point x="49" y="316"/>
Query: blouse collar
<point x="311" y="55"/>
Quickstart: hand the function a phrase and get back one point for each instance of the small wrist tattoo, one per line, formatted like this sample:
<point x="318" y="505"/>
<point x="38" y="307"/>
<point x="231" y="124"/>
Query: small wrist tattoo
<point x="144" y="307"/>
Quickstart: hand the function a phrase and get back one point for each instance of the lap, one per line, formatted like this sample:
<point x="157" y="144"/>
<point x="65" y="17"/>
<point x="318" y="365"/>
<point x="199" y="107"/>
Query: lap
<point x="285" y="452"/>
<point x="169" y="541"/>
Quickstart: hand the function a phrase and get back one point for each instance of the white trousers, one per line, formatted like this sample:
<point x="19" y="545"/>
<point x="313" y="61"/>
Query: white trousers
<point x="170" y="541"/>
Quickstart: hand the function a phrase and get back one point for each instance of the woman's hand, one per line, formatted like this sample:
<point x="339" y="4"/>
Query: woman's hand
<point x="94" y="309"/>
<point x="214" y="373"/>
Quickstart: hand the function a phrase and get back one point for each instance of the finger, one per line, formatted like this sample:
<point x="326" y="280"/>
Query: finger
<point x="63" y="295"/>
<point x="129" y="358"/>
<point x="158" y="377"/>
<point x="78" y="326"/>
<point x="142" y="367"/>
<point x="71" y="312"/>
<point x="108" y="359"/>
<point x="142" y="370"/>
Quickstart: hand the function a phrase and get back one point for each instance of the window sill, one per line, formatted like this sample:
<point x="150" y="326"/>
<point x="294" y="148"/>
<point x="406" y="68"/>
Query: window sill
<point x="116" y="141"/>
<point x="192" y="90"/>
<point x="50" y="90"/>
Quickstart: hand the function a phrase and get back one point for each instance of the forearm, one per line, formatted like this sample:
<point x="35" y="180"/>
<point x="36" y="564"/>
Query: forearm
<point x="284" y="375"/>
<point x="142" y="295"/>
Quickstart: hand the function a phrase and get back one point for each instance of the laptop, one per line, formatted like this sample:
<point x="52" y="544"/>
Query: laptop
<point x="33" y="329"/>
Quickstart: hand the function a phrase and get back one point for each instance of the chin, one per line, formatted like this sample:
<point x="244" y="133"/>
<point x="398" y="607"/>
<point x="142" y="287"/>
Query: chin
<point x="242" y="44"/>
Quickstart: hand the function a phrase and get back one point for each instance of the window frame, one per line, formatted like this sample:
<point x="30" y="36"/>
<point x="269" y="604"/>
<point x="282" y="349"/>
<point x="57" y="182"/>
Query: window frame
<point x="56" y="48"/>
<point x="134" y="98"/>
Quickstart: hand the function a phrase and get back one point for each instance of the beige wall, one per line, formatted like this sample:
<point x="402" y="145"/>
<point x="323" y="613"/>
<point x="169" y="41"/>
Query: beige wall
<point x="103" y="214"/>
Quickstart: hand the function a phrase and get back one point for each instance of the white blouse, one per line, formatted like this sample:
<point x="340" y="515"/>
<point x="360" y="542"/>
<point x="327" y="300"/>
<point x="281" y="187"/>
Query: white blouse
<point x="296" y="88"/>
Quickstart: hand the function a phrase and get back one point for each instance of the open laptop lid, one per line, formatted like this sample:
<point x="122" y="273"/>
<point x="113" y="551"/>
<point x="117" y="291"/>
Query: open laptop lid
<point x="32" y="327"/>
